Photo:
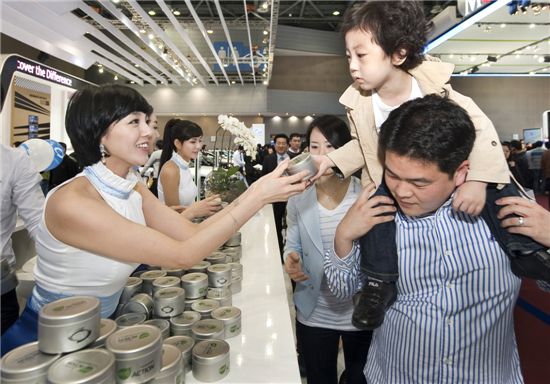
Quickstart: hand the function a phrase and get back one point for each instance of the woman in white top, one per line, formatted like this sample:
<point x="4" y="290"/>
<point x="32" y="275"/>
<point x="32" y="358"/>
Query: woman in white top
<point x="97" y="227"/>
<point x="176" y="187"/>
<point x="312" y="217"/>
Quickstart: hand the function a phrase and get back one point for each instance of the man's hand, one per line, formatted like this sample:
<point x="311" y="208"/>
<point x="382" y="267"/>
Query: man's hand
<point x="525" y="217"/>
<point x="470" y="197"/>
<point x="293" y="266"/>
<point x="364" y="214"/>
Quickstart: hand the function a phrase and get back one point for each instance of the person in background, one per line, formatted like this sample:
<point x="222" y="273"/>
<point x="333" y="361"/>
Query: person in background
<point x="534" y="158"/>
<point x="23" y="197"/>
<point x="270" y="163"/>
<point x="519" y="158"/>
<point x="295" y="144"/>
<point x="154" y="163"/>
<point x="238" y="158"/>
<point x="385" y="43"/>
<point x="153" y="123"/>
<point x="545" y="166"/>
<point x="452" y="321"/>
<point x="321" y="318"/>
<point x="512" y="164"/>
<point x="98" y="226"/>
<point x="176" y="188"/>
<point x="67" y="169"/>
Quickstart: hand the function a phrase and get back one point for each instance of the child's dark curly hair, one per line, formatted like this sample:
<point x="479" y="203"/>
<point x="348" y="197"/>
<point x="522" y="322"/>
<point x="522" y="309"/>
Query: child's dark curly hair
<point x="394" y="25"/>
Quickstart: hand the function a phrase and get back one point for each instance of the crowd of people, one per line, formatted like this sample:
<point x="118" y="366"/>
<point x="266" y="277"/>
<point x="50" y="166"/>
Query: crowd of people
<point x="414" y="266"/>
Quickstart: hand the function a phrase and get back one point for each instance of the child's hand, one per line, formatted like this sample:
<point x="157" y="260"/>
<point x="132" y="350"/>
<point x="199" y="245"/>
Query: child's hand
<point x="470" y="197"/>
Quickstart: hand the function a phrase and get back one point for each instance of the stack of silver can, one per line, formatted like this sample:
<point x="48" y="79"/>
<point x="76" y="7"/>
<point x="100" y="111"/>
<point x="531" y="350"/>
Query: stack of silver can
<point x="168" y="322"/>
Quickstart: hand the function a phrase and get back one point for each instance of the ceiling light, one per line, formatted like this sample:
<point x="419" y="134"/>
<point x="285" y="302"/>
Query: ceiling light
<point x="142" y="31"/>
<point x="116" y="77"/>
<point x="531" y="73"/>
<point x="136" y="65"/>
<point x="472" y="58"/>
<point x="290" y="15"/>
<point x="517" y="56"/>
<point x="209" y="31"/>
<point x="176" y="12"/>
<point x="492" y="59"/>
<point x="451" y="56"/>
<point x="116" y="1"/>
<point x="132" y="82"/>
<point x="265" y="5"/>
<point x="265" y="32"/>
<point x="265" y="82"/>
<point x="100" y="70"/>
<point x="532" y="25"/>
<point x="233" y="82"/>
<point x="486" y="64"/>
<point x="151" y="36"/>
<point x="336" y="13"/>
<point x="503" y="25"/>
<point x="541" y="59"/>
<point x="152" y="13"/>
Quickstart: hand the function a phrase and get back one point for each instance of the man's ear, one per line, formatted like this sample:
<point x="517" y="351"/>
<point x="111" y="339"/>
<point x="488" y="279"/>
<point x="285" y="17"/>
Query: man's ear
<point x="399" y="57"/>
<point x="461" y="173"/>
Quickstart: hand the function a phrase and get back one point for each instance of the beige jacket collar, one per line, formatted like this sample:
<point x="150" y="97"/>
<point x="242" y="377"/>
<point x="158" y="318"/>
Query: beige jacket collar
<point x="432" y="74"/>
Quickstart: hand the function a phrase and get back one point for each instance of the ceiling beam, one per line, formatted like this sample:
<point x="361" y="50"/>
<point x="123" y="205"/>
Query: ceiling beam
<point x="228" y="37"/>
<point x="249" y="43"/>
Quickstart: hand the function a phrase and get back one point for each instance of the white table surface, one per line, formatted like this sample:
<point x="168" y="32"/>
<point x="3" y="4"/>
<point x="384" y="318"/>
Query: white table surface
<point x="264" y="352"/>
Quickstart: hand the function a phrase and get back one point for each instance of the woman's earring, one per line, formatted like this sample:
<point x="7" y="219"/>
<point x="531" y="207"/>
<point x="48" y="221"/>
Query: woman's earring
<point x="103" y="153"/>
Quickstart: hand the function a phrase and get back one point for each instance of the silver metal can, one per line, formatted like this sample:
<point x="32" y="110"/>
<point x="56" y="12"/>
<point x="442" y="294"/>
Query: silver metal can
<point x="90" y="366"/>
<point x="189" y="303"/>
<point x="106" y="328"/>
<point x="222" y="295"/>
<point x="236" y="284"/>
<point x="236" y="269"/>
<point x="204" y="307"/>
<point x="138" y="353"/>
<point x="235" y="252"/>
<point x="302" y="162"/>
<point x="178" y="272"/>
<point x="130" y="319"/>
<point x="219" y="275"/>
<point x="185" y="345"/>
<point x="166" y="282"/>
<point x="148" y="278"/>
<point x="195" y="285"/>
<point x="200" y="267"/>
<point x="207" y="329"/>
<point x="234" y="240"/>
<point x="132" y="287"/>
<point x="169" y="302"/>
<point x="140" y="303"/>
<point x="69" y="324"/>
<point x="172" y="371"/>
<point x="216" y="257"/>
<point x="231" y="318"/>
<point x="26" y="364"/>
<point x="210" y="360"/>
<point x="181" y="325"/>
<point x="162" y="324"/>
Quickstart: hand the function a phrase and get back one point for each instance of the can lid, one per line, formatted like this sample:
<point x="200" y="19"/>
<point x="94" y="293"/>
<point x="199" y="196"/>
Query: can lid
<point x="182" y="342"/>
<point x="205" y="305"/>
<point x="166" y="281"/>
<point x="170" y="292"/>
<point x="171" y="361"/>
<point x="86" y="366"/>
<point x="129" y="319"/>
<point x="219" y="268"/>
<point x="226" y="313"/>
<point x="201" y="265"/>
<point x="216" y="255"/>
<point x="186" y="318"/>
<point x="138" y="338"/>
<point x="161" y="324"/>
<point x="194" y="277"/>
<point x="210" y="351"/>
<point x="152" y="275"/>
<point x="26" y="361"/>
<point x="106" y="327"/>
<point x="68" y="310"/>
<point x="207" y="327"/>
<point x="133" y="281"/>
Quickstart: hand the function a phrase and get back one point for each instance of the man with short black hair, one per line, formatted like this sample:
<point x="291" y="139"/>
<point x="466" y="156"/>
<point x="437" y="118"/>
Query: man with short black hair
<point x="452" y="320"/>
<point x="295" y="145"/>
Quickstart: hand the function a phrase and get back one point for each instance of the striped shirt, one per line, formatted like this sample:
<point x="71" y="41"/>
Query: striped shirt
<point x="452" y="321"/>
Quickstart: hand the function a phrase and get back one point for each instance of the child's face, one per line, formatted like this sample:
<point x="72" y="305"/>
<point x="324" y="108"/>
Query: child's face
<point x="370" y="67"/>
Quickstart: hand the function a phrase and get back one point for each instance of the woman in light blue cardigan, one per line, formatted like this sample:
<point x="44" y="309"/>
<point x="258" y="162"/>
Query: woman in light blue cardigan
<point x="312" y="218"/>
